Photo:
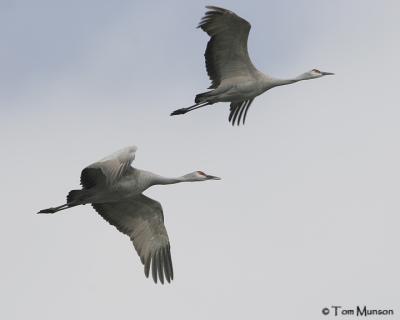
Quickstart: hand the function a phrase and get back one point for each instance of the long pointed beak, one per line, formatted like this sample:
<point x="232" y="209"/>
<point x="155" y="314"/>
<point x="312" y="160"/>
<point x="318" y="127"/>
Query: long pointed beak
<point x="213" y="178"/>
<point x="327" y="73"/>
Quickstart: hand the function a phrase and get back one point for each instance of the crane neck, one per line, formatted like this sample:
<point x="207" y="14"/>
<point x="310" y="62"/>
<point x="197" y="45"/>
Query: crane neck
<point x="156" y="179"/>
<point x="147" y="179"/>
<point x="283" y="82"/>
<point x="160" y="180"/>
<point x="301" y="77"/>
<point x="270" y="82"/>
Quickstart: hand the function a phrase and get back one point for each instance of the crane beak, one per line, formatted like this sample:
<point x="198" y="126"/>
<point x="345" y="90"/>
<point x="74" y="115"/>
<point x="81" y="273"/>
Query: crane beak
<point x="327" y="73"/>
<point x="213" y="178"/>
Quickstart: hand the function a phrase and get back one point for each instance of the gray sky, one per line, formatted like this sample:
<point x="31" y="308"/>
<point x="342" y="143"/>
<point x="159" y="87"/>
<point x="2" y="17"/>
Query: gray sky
<point x="307" y="213"/>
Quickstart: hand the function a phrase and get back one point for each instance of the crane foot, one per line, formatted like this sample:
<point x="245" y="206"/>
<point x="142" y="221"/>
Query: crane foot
<point x="49" y="210"/>
<point x="179" y="111"/>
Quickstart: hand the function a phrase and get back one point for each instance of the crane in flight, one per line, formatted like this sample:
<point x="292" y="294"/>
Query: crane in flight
<point x="114" y="189"/>
<point x="233" y="76"/>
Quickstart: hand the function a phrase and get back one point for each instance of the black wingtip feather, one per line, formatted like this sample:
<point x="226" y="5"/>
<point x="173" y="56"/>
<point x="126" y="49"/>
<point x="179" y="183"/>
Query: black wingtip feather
<point x="147" y="265"/>
<point x="236" y="112"/>
<point x="154" y="268"/>
<point x="239" y="112"/>
<point x="170" y="263"/>
<point x="165" y="265"/>
<point x="242" y="111"/>
<point x="245" y="113"/>
<point x="214" y="9"/>
<point x="160" y="263"/>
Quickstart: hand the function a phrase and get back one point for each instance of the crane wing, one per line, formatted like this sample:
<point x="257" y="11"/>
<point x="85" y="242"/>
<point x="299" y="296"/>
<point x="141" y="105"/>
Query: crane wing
<point x="226" y="54"/>
<point x="239" y="109"/>
<point x="141" y="218"/>
<point x="109" y="169"/>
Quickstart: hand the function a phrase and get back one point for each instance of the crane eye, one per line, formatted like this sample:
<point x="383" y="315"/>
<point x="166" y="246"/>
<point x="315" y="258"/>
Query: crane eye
<point x="316" y="70"/>
<point x="201" y="173"/>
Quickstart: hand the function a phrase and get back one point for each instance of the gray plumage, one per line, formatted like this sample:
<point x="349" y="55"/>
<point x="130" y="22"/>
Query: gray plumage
<point x="233" y="76"/>
<point x="114" y="189"/>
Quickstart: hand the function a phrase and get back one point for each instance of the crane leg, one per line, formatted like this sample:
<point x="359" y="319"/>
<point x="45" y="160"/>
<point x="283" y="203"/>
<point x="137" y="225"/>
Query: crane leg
<point x="193" y="107"/>
<point x="56" y="209"/>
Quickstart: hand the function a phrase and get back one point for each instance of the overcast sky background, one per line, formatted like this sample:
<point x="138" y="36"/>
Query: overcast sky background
<point x="307" y="213"/>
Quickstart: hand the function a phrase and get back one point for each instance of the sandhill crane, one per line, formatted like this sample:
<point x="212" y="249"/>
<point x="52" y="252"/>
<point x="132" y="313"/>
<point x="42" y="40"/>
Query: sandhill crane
<point x="234" y="77"/>
<point x="114" y="189"/>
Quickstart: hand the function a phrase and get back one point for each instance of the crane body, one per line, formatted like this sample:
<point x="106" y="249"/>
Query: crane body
<point x="234" y="77"/>
<point x="114" y="188"/>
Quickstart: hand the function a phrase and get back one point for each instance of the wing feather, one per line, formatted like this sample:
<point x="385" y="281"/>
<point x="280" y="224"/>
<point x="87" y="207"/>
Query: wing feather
<point x="239" y="109"/>
<point x="141" y="218"/>
<point x="226" y="53"/>
<point x="160" y="266"/>
<point x="108" y="170"/>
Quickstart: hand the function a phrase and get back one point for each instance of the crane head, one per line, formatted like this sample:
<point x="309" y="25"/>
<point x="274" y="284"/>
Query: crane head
<point x="199" y="176"/>
<point x="315" y="73"/>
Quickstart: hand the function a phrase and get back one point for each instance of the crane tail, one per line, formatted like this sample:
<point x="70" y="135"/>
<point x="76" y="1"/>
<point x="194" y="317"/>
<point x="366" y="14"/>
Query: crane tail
<point x="201" y="97"/>
<point x="80" y="196"/>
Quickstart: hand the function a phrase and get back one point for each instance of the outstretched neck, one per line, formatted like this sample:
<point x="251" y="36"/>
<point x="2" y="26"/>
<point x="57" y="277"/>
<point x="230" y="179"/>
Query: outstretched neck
<point x="160" y="180"/>
<point x="283" y="82"/>
<point x="276" y="82"/>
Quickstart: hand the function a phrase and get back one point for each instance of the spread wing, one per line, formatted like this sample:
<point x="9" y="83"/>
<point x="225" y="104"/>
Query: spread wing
<point x="239" y="109"/>
<point x="141" y="218"/>
<point x="109" y="169"/>
<point x="226" y="54"/>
